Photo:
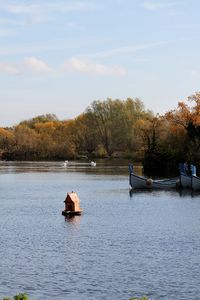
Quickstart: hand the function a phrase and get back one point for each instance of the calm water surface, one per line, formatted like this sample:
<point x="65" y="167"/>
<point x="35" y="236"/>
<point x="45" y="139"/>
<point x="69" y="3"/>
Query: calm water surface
<point x="124" y="245"/>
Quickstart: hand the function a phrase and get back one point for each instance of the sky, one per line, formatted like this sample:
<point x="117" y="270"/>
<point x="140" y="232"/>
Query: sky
<point x="59" y="56"/>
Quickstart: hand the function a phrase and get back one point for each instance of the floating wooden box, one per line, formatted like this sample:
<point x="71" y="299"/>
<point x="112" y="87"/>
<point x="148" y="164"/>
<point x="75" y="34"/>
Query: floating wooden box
<point x="72" y="205"/>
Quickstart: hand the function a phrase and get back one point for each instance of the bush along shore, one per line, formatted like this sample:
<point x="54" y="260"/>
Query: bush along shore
<point x="18" y="297"/>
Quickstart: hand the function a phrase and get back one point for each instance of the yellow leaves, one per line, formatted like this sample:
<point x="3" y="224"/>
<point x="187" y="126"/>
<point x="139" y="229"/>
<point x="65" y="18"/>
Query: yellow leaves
<point x="140" y="123"/>
<point x="143" y="124"/>
<point x="45" y="127"/>
<point x="176" y="129"/>
<point x="180" y="116"/>
<point x="25" y="136"/>
<point x="5" y="133"/>
<point x="196" y="120"/>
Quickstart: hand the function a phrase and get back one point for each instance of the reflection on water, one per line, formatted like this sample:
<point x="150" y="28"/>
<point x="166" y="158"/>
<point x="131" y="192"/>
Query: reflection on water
<point x="189" y="193"/>
<point x="73" y="219"/>
<point x="181" y="192"/>
<point x="126" y="244"/>
<point x="103" y="166"/>
<point x="133" y="192"/>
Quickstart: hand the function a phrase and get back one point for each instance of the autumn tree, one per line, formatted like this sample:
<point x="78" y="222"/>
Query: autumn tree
<point x="187" y="117"/>
<point x="84" y="134"/>
<point x="6" y="141"/>
<point x="106" y="128"/>
<point x="55" y="140"/>
<point x="39" y="119"/>
<point x="26" y="140"/>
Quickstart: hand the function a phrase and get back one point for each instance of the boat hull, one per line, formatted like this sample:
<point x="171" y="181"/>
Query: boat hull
<point x="139" y="182"/>
<point x="186" y="181"/>
<point x="195" y="183"/>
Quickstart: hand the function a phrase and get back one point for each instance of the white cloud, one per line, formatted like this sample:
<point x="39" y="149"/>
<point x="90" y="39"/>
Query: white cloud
<point x="69" y="7"/>
<point x="58" y="44"/>
<point x="35" y="48"/>
<point x="40" y="11"/>
<point x="7" y="21"/>
<point x="5" y="32"/>
<point x="125" y="49"/>
<point x="37" y="65"/>
<point x="21" y="9"/>
<point x="9" y="69"/>
<point x="83" y="66"/>
<point x="194" y="73"/>
<point x="154" y="6"/>
<point x="34" y="12"/>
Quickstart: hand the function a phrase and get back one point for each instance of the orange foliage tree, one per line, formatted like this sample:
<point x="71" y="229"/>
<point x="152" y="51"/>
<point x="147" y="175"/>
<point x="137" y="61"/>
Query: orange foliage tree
<point x="186" y="120"/>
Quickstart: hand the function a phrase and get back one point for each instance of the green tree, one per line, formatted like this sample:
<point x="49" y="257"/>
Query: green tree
<point x="115" y="122"/>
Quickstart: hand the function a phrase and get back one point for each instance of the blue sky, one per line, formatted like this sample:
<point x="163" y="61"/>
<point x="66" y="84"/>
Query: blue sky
<point x="59" y="56"/>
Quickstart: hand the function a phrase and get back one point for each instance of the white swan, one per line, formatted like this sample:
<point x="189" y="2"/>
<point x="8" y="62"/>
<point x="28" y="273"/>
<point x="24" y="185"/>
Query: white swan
<point x="65" y="163"/>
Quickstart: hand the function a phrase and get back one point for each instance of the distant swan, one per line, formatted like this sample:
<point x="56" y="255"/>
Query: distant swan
<point x="93" y="163"/>
<point x="65" y="163"/>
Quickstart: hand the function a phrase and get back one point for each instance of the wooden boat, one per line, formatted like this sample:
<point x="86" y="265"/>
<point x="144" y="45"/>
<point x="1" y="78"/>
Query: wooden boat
<point x="195" y="183"/>
<point x="185" y="181"/>
<point x="189" y="180"/>
<point x="140" y="182"/>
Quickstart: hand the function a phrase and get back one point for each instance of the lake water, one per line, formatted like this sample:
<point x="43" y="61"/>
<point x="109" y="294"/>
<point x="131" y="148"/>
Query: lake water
<point x="125" y="244"/>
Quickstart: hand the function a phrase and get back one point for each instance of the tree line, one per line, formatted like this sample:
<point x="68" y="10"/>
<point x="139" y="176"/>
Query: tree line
<point x="110" y="128"/>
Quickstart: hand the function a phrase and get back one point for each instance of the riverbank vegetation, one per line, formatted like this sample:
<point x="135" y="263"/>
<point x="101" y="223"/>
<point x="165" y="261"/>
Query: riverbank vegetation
<point x="18" y="297"/>
<point x="110" y="129"/>
<point x="143" y="298"/>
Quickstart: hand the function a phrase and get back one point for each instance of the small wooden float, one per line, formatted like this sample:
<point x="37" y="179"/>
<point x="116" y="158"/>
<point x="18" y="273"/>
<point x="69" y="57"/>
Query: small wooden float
<point x="72" y="206"/>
